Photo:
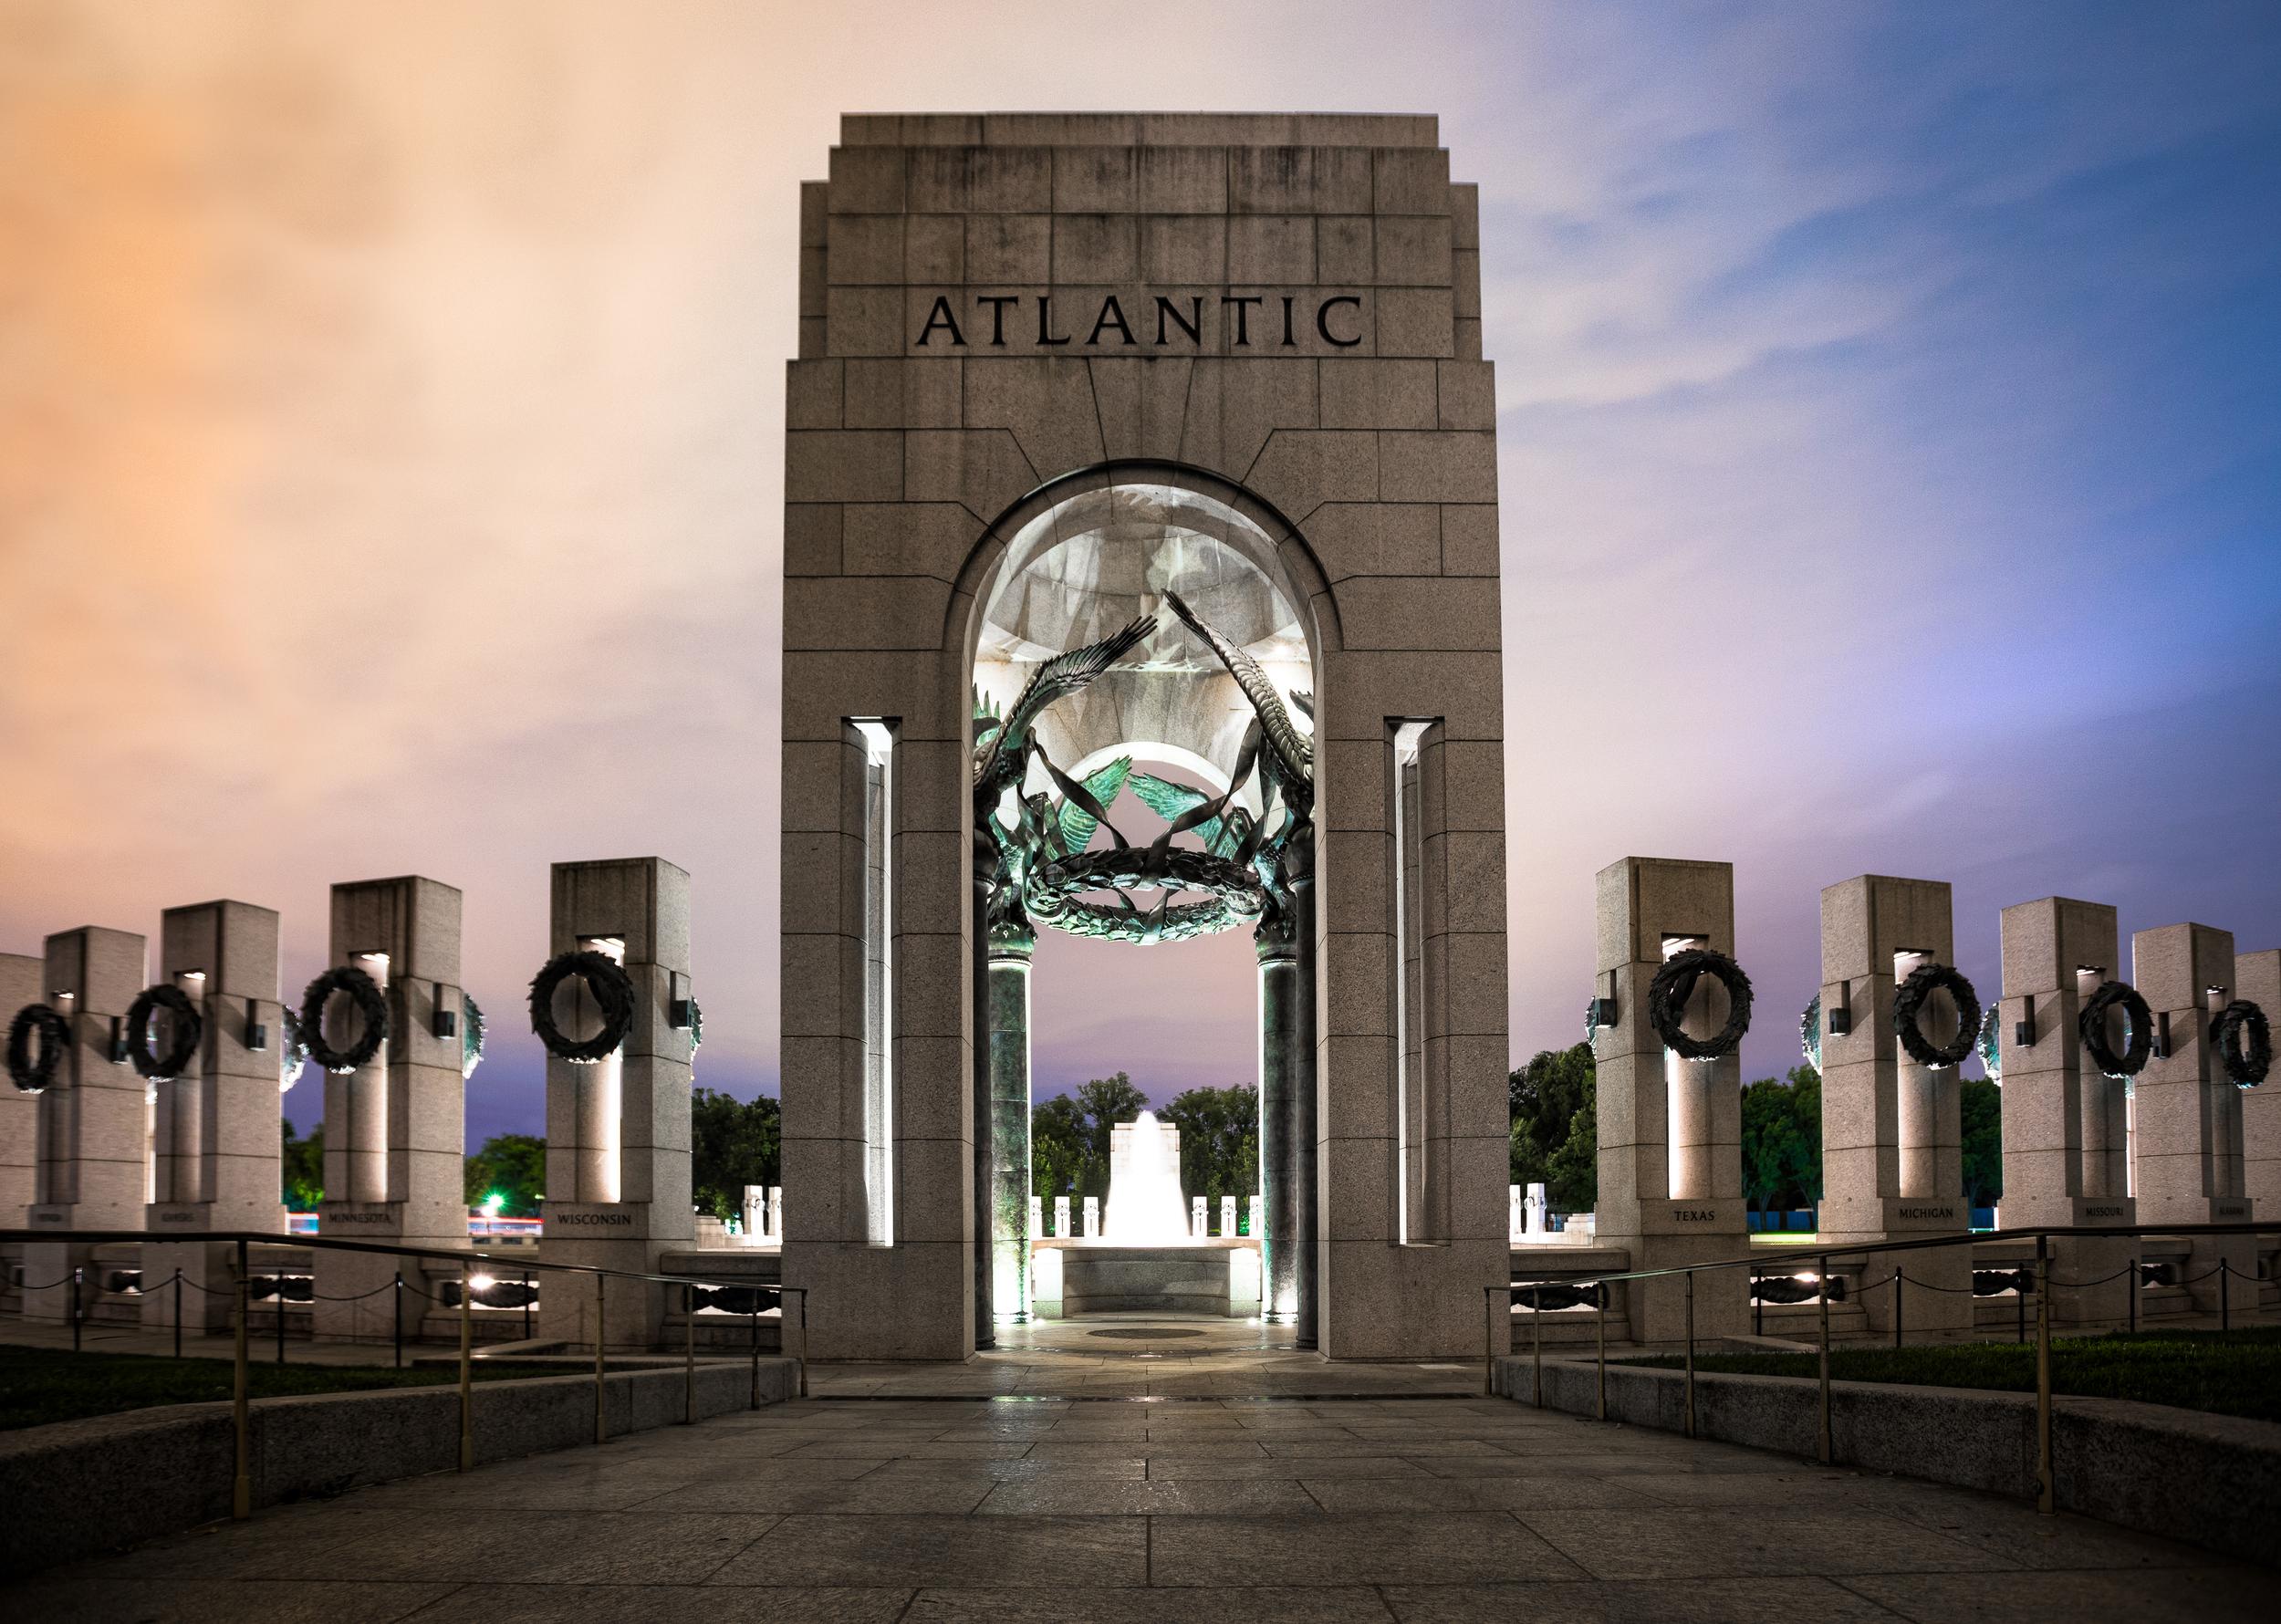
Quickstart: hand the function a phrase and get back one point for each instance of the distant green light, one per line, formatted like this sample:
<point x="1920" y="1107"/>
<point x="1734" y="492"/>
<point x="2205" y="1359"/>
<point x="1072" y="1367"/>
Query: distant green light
<point x="493" y="1201"/>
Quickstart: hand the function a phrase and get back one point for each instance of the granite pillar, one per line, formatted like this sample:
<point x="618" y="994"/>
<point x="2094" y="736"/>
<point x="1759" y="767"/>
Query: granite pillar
<point x="395" y="1128"/>
<point x="2257" y="978"/>
<point x="219" y="1119"/>
<point x="1892" y="1142"/>
<point x="93" y="1168"/>
<point x="20" y="975"/>
<point x="2186" y="1141"/>
<point x="618" y="1192"/>
<point x="2066" y="1132"/>
<point x="1664" y="1199"/>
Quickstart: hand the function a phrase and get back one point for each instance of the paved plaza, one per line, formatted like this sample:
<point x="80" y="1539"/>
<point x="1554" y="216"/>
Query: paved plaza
<point x="1433" y="1506"/>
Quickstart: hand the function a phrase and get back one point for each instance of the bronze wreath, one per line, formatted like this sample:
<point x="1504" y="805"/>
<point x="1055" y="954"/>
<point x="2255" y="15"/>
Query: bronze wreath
<point x="1237" y="895"/>
<point x="371" y="1006"/>
<point x="471" y="1039"/>
<point x="54" y="1036"/>
<point x="189" y="1027"/>
<point x="2248" y="1064"/>
<point x="613" y="991"/>
<point x="1909" y="1004"/>
<point x="2091" y="1027"/>
<point x="1675" y="984"/>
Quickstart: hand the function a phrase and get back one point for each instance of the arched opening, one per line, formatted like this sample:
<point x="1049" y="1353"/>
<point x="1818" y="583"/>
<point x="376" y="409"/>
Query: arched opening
<point x="1143" y="670"/>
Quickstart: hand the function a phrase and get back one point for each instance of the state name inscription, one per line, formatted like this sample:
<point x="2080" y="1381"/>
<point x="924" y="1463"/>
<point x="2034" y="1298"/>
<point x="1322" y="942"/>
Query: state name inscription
<point x="1149" y="321"/>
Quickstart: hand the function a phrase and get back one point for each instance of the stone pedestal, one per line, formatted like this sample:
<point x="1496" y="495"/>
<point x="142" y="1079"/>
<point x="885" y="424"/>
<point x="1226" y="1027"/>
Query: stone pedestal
<point x="395" y="1133"/>
<point x="2258" y="977"/>
<point x="618" y="1131"/>
<point x="94" y="1160"/>
<point x="2186" y="1139"/>
<point x="1893" y="1144"/>
<point x="1009" y="1126"/>
<point x="215" y="1128"/>
<point x="2066" y="1136"/>
<point x="1671" y="1166"/>
<point x="19" y="1112"/>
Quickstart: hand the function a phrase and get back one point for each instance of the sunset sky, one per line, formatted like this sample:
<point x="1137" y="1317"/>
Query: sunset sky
<point x="391" y="452"/>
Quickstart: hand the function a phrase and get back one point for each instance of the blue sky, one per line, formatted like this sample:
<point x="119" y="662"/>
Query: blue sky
<point x="1890" y="456"/>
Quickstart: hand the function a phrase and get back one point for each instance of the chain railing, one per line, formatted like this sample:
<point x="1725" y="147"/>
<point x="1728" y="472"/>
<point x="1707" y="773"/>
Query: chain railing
<point x="1596" y="1287"/>
<point x="792" y="1313"/>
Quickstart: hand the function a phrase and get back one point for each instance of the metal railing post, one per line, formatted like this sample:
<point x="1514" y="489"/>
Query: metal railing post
<point x="803" y="1353"/>
<point x="2225" y="1297"/>
<point x="527" y="1295"/>
<point x="76" y="1274"/>
<point x="1489" y="1342"/>
<point x="1536" y="1329"/>
<point x="467" y="1368"/>
<point x="753" y="1301"/>
<point x="689" y="1355"/>
<point x="1898" y="1279"/>
<point x="1757" y="1306"/>
<point x="1690" y="1418"/>
<point x="2044" y="1496"/>
<point x="1824" y="1448"/>
<point x="1599" y="1290"/>
<point x="276" y="1282"/>
<point x="240" y="1384"/>
<point x="2134" y="1297"/>
<point x="178" y="1314"/>
<point x="2019" y="1308"/>
<point x="602" y="1401"/>
<point x="396" y="1304"/>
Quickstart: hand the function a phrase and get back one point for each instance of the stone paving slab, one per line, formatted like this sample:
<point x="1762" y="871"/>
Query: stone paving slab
<point x="1420" y="1509"/>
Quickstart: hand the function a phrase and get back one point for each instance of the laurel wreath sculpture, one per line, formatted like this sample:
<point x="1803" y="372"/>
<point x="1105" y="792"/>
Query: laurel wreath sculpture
<point x="2091" y="1027"/>
<point x="30" y="1072"/>
<point x="371" y="1006"/>
<point x="292" y="1050"/>
<point x="471" y="1036"/>
<point x="1035" y="868"/>
<point x="185" y="1027"/>
<point x="2243" y="1038"/>
<point x="612" y="989"/>
<point x="1675" y="984"/>
<point x="1909" y="1001"/>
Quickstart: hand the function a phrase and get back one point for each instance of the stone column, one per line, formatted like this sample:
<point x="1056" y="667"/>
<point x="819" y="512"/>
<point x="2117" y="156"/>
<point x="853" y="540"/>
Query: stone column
<point x="2065" y="1125"/>
<point x="2186" y="1145"/>
<point x="1282" y="1056"/>
<point x="618" y="1131"/>
<point x="1648" y="908"/>
<point x="2257" y="978"/>
<point x="1304" y="1104"/>
<point x="395" y="1130"/>
<point x="1892" y="1143"/>
<point x="93" y="1170"/>
<point x="225" y="1175"/>
<point x="19" y="1111"/>
<point x="1009" y="1125"/>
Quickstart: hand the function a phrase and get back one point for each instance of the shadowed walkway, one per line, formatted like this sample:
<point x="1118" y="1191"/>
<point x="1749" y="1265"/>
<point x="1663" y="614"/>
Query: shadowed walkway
<point x="1227" y="1510"/>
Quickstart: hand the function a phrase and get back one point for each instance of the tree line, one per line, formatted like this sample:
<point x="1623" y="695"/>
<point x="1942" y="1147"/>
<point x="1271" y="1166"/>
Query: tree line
<point x="1555" y="1139"/>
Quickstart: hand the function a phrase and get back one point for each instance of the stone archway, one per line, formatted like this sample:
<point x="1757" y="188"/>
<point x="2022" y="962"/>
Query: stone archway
<point x="1219" y="677"/>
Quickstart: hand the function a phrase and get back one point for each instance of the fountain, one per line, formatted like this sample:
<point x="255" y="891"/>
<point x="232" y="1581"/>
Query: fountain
<point x="1145" y="1258"/>
<point x="1145" y="1207"/>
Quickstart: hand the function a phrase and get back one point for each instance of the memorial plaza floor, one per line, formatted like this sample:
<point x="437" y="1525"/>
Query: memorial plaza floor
<point x="1078" y="1477"/>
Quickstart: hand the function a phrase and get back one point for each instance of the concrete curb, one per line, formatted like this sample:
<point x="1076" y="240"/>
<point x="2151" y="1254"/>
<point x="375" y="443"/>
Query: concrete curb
<point x="2208" y="1480"/>
<point x="79" y="1487"/>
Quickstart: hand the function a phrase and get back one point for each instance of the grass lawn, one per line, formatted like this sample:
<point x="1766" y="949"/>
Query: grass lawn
<point x="38" y="1385"/>
<point x="2226" y="1373"/>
